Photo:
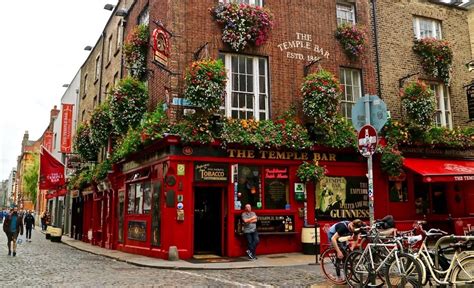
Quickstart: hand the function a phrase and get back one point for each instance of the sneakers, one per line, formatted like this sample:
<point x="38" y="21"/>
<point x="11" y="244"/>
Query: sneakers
<point x="9" y="253"/>
<point x="249" y="254"/>
<point x="14" y="254"/>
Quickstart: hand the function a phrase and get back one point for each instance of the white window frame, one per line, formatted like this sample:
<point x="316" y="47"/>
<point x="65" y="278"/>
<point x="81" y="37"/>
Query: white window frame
<point x="435" y="27"/>
<point x="250" y="2"/>
<point x="110" y="49"/>
<point x="144" y="17"/>
<point x="346" y="8"/>
<point x="97" y="67"/>
<point x="227" y="58"/>
<point x="443" y="116"/>
<point x="119" y="35"/>
<point x="355" y="88"/>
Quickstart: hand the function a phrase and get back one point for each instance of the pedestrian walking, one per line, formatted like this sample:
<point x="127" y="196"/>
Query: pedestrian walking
<point x="250" y="231"/>
<point x="43" y="221"/>
<point x="29" y="224"/>
<point x="12" y="226"/>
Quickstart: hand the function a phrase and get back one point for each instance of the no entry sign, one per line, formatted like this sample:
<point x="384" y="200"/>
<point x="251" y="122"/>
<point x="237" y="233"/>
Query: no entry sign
<point x="367" y="140"/>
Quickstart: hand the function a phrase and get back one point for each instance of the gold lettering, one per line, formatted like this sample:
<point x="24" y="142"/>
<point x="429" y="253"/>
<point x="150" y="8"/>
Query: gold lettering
<point x="317" y="156"/>
<point x="272" y="155"/>
<point x="251" y="154"/>
<point x="324" y="157"/>
<point x="304" y="156"/>
<point x="240" y="153"/>
<point x="332" y="157"/>
<point x="263" y="154"/>
<point x="231" y="152"/>
<point x="281" y="155"/>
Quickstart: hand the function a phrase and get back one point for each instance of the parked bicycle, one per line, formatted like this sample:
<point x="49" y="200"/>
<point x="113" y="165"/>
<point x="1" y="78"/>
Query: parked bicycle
<point x="333" y="267"/>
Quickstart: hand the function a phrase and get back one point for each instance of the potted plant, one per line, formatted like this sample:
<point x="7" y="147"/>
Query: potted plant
<point x="83" y="143"/>
<point x="321" y="97"/>
<point x="135" y="50"/>
<point x="100" y="125"/>
<point x="419" y="103"/>
<point x="243" y="24"/>
<point x="352" y="39"/>
<point x="128" y="104"/>
<point x="391" y="161"/>
<point x="436" y="57"/>
<point x="310" y="172"/>
<point x="205" y="84"/>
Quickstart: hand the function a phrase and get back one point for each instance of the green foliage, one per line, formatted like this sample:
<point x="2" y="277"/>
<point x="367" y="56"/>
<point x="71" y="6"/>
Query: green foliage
<point x="100" y="170"/>
<point x="83" y="143"/>
<point x="341" y="135"/>
<point x="419" y="102"/>
<point x="194" y="129"/>
<point x="321" y="97"/>
<point x="391" y="161"/>
<point x="154" y="125"/>
<point x="436" y="57"/>
<point x="396" y="133"/>
<point x="101" y="125"/>
<point x="30" y="179"/>
<point x="81" y="179"/>
<point x="205" y="84"/>
<point x="128" y="104"/>
<point x="127" y="145"/>
<point x="310" y="172"/>
<point x="135" y="50"/>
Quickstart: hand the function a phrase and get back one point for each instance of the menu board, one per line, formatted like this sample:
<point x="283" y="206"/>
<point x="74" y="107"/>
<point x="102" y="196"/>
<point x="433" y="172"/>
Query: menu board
<point x="276" y="188"/>
<point x="269" y="224"/>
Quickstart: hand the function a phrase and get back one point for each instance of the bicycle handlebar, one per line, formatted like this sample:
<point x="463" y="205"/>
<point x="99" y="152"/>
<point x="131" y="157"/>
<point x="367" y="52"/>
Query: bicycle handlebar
<point x="435" y="232"/>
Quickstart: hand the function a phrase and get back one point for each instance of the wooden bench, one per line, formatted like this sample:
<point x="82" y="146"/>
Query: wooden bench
<point x="54" y="234"/>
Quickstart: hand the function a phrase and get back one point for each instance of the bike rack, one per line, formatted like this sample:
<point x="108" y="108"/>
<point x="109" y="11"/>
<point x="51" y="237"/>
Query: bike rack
<point x="449" y="238"/>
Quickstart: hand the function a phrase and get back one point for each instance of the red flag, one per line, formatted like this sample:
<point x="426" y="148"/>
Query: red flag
<point x="48" y="140"/>
<point x="51" y="171"/>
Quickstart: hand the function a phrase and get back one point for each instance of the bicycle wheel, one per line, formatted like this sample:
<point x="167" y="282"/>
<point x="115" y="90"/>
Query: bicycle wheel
<point x="463" y="273"/>
<point x="403" y="271"/>
<point x="333" y="267"/>
<point x="351" y="260"/>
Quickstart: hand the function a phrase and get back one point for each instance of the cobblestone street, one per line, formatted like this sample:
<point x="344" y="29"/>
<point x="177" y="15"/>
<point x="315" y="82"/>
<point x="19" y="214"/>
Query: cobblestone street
<point x="46" y="264"/>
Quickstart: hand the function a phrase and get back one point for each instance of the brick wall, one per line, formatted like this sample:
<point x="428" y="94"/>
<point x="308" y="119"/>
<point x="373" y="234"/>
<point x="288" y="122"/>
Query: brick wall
<point x="192" y="26"/>
<point x="395" y="26"/>
<point x="470" y="18"/>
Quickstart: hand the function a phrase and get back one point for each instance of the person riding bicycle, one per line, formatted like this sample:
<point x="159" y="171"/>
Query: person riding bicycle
<point x="341" y="229"/>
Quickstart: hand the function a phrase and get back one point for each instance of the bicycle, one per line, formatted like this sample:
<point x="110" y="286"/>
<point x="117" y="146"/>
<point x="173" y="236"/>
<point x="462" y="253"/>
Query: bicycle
<point x="331" y="265"/>
<point x="456" y="271"/>
<point x="383" y="253"/>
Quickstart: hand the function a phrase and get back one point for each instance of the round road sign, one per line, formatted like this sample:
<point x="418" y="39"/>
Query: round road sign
<point x="367" y="140"/>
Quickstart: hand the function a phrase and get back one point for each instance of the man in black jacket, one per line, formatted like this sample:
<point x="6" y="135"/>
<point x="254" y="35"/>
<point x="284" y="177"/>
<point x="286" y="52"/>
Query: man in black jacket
<point x="29" y="224"/>
<point x="12" y="226"/>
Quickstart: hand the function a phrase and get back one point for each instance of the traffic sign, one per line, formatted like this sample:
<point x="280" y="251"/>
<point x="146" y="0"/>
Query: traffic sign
<point x="378" y="113"/>
<point x="367" y="140"/>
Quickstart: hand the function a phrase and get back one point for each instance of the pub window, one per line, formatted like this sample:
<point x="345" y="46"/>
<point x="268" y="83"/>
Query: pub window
<point x="277" y="187"/>
<point x="345" y="13"/>
<point x="247" y="87"/>
<point x="249" y="187"/>
<point x="251" y="2"/>
<point x="443" y="106"/>
<point x="426" y="27"/>
<point x="85" y="87"/>
<point x="107" y="90"/>
<point x="94" y="102"/>
<point x="119" y="35"/>
<point x="139" y="194"/>
<point x="351" y="82"/>
<point x="144" y="16"/>
<point x="109" y="50"/>
<point x="116" y="79"/>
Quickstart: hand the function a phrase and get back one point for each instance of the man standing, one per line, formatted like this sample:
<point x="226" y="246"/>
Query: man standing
<point x="250" y="230"/>
<point x="29" y="224"/>
<point x="12" y="226"/>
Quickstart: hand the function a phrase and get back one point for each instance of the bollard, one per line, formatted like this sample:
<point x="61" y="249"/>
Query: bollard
<point x="173" y="254"/>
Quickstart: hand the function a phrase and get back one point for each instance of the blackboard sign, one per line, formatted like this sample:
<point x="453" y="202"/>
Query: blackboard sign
<point x="269" y="224"/>
<point x="470" y="101"/>
<point x="211" y="172"/>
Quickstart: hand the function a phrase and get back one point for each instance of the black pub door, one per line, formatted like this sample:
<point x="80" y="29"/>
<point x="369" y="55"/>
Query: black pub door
<point x="207" y="220"/>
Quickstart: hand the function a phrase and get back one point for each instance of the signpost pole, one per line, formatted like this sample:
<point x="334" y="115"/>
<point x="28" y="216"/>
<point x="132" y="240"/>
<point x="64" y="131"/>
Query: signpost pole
<point x="369" y="164"/>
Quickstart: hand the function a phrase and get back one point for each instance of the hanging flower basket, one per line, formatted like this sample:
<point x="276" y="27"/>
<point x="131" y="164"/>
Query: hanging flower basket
<point x="436" y="57"/>
<point x="419" y="103"/>
<point x="352" y="39"/>
<point x="101" y="126"/>
<point x="135" y="50"/>
<point x="310" y="172"/>
<point x="205" y="84"/>
<point x="391" y="161"/>
<point x="83" y="143"/>
<point x="243" y="24"/>
<point x="321" y="97"/>
<point x="128" y="104"/>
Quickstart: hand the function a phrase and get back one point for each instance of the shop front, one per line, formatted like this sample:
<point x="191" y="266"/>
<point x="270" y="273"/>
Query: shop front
<point x="438" y="189"/>
<point x="192" y="197"/>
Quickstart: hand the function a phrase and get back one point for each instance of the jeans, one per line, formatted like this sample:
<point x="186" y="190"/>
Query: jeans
<point x="28" y="232"/>
<point x="12" y="238"/>
<point x="252" y="240"/>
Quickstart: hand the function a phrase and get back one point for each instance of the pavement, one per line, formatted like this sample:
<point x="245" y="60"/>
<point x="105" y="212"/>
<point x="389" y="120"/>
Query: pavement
<point x="263" y="261"/>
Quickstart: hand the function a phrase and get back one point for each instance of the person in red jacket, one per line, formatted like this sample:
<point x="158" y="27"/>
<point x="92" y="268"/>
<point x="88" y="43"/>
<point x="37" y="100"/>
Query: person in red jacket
<point x="12" y="226"/>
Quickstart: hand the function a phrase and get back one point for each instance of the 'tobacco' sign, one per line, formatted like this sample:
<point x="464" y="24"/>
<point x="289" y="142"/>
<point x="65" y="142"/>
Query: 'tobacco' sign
<point x="367" y="140"/>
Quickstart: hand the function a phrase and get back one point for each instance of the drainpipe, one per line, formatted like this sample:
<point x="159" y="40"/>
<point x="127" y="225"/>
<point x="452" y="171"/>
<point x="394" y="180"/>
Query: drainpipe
<point x="376" y="46"/>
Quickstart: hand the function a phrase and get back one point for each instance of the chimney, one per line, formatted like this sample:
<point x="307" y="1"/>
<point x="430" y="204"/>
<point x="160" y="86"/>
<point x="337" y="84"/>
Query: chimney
<point x="53" y="116"/>
<point x="25" y="140"/>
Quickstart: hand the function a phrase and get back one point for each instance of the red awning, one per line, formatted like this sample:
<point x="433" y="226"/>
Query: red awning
<point x="437" y="170"/>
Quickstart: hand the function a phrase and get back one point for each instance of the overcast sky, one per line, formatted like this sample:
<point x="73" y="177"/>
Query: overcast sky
<point x="42" y="48"/>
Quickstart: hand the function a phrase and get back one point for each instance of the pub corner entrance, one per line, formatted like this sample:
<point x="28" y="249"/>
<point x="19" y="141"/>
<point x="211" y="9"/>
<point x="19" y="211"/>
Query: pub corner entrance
<point x="208" y="220"/>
